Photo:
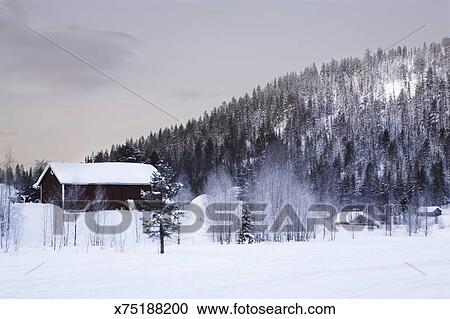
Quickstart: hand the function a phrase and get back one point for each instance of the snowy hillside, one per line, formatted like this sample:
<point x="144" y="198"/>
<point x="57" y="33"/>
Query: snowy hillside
<point x="372" y="128"/>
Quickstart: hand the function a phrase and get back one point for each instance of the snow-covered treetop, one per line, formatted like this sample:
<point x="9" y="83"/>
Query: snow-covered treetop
<point x="164" y="185"/>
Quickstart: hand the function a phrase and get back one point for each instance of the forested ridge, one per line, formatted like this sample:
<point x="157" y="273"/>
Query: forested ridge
<point x="374" y="128"/>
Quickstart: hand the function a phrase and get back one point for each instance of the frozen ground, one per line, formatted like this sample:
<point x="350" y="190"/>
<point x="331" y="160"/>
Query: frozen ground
<point x="370" y="266"/>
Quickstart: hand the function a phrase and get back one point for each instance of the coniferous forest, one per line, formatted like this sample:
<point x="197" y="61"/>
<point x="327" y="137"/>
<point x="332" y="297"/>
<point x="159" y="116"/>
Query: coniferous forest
<point x="369" y="129"/>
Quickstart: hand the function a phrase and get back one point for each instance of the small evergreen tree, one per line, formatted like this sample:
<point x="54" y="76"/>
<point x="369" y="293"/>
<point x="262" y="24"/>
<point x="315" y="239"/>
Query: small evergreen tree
<point x="246" y="183"/>
<point x="245" y="234"/>
<point x="163" y="220"/>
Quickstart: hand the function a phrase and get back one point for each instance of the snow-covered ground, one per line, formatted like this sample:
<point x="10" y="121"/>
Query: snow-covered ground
<point x="370" y="266"/>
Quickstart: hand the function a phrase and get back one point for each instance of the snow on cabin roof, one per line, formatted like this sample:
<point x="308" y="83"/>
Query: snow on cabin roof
<point x="428" y="209"/>
<point x="109" y="173"/>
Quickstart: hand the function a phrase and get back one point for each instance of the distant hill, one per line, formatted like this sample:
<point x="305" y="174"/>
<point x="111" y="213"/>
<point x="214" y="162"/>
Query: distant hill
<point x="373" y="128"/>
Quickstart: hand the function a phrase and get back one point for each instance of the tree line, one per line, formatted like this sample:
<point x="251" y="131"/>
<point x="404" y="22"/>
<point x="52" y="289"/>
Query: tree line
<point x="19" y="177"/>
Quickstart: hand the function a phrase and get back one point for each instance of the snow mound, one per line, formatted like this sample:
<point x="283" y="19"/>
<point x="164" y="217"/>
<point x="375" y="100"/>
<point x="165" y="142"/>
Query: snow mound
<point x="200" y="236"/>
<point x="202" y="201"/>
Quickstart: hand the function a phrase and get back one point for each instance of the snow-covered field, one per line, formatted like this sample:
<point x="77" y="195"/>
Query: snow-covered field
<point x="371" y="266"/>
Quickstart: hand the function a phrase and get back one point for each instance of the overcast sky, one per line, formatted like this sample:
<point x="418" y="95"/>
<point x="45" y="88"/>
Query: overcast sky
<point x="185" y="56"/>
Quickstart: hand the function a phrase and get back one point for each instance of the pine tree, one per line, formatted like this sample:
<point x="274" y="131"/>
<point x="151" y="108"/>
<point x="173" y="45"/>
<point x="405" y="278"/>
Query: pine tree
<point x="163" y="219"/>
<point x="245" y="234"/>
<point x="246" y="182"/>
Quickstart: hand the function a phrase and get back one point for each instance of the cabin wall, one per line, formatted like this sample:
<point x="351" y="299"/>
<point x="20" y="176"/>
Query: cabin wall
<point x="119" y="194"/>
<point x="51" y="189"/>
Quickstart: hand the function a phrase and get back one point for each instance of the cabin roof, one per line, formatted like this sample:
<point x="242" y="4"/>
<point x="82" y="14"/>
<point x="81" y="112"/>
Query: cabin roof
<point x="429" y="209"/>
<point x="108" y="173"/>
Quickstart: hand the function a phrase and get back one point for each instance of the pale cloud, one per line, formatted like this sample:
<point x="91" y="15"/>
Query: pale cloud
<point x="187" y="95"/>
<point x="31" y="65"/>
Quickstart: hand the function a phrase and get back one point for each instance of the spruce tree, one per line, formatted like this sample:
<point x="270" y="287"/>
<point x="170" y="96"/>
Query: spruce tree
<point x="245" y="234"/>
<point x="163" y="219"/>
